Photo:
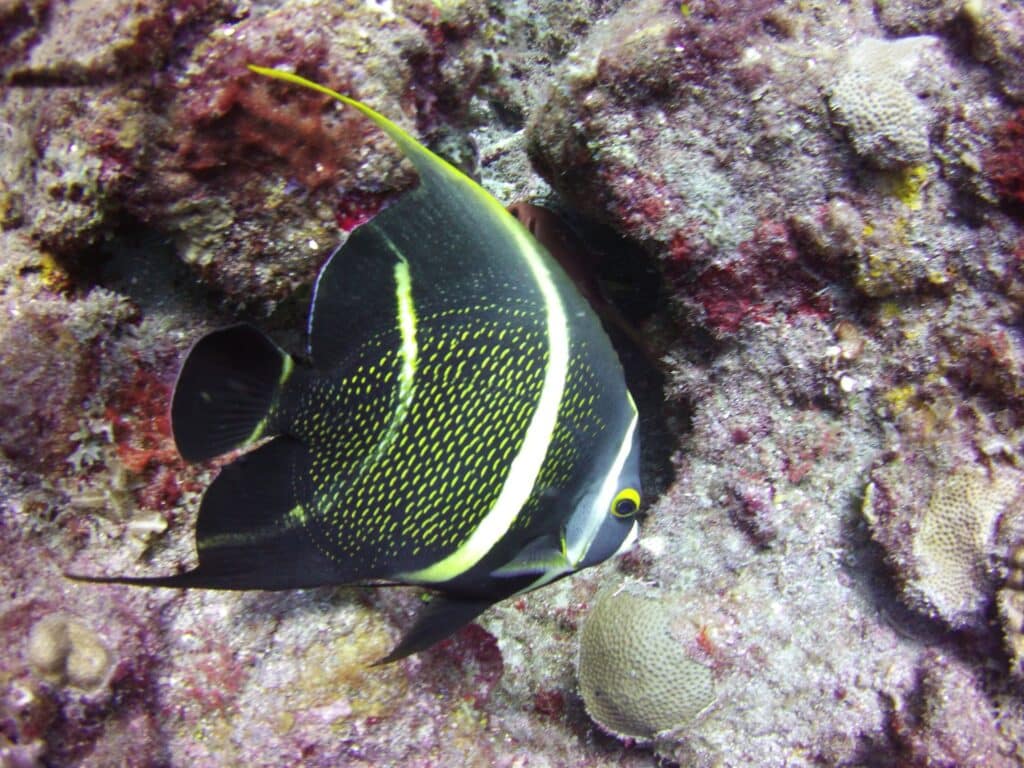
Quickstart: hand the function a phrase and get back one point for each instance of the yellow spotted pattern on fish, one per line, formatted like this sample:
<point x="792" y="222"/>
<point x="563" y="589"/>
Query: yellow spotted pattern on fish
<point x="579" y="423"/>
<point x="467" y="400"/>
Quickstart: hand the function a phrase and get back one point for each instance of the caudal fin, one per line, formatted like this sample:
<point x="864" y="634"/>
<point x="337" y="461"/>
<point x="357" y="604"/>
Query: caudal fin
<point x="225" y="391"/>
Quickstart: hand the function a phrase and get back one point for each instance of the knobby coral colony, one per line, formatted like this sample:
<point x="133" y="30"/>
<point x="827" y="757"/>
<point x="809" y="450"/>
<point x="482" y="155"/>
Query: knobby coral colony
<point x="464" y="424"/>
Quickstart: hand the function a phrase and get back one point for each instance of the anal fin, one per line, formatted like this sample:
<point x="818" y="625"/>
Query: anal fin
<point x="250" y="532"/>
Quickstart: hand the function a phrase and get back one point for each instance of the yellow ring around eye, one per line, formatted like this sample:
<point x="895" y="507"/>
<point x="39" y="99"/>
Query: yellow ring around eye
<point x="629" y="495"/>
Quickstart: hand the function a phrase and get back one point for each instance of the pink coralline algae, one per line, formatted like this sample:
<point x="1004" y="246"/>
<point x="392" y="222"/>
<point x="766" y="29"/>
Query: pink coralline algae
<point x="667" y="45"/>
<point x="768" y="276"/>
<point x="690" y="193"/>
<point x="472" y="653"/>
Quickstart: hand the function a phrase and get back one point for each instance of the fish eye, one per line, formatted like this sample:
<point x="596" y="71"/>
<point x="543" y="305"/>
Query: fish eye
<point x="626" y="502"/>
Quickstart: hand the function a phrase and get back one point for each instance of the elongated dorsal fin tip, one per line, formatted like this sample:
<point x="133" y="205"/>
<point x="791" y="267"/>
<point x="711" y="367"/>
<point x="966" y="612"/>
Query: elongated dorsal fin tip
<point x="418" y="154"/>
<point x="434" y="170"/>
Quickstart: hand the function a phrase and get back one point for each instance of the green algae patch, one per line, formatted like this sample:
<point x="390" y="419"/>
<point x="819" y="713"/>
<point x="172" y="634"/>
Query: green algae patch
<point x="339" y="670"/>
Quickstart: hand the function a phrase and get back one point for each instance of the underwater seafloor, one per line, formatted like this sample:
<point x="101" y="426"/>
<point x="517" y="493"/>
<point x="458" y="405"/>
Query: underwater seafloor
<point x="830" y="197"/>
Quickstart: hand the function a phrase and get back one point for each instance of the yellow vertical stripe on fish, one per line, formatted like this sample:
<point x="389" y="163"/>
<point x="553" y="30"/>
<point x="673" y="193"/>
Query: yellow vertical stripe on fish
<point x="526" y="466"/>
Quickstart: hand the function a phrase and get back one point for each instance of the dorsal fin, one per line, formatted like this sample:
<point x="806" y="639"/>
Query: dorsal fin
<point x="462" y="249"/>
<point x="426" y="162"/>
<point x="225" y="390"/>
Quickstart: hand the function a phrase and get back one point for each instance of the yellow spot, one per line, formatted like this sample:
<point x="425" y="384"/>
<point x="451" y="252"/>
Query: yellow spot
<point x="297" y="516"/>
<point x="283" y="723"/>
<point x="974" y="10"/>
<point x="899" y="398"/>
<point x="53" y="275"/>
<point x="890" y="310"/>
<point x="912" y="333"/>
<point x="686" y="10"/>
<point x="907" y="185"/>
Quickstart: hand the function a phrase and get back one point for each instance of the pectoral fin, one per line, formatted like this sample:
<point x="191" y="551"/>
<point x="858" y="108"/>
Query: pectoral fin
<point x="543" y="555"/>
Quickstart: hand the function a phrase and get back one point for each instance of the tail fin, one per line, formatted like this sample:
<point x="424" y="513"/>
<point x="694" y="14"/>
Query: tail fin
<point x="225" y="391"/>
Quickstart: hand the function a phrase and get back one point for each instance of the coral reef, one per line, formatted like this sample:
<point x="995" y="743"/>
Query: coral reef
<point x="50" y="347"/>
<point x="938" y="722"/>
<point x="635" y="675"/>
<point x="256" y="231"/>
<point x="998" y="40"/>
<point x="829" y="197"/>
<point x="731" y="240"/>
<point x="902" y="17"/>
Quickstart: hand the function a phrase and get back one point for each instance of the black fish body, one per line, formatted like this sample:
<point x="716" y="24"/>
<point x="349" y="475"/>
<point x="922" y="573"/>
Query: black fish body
<point x="463" y="422"/>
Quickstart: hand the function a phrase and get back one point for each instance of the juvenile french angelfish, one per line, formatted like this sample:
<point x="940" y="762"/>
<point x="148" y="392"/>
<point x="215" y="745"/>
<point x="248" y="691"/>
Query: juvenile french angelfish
<point x="463" y="423"/>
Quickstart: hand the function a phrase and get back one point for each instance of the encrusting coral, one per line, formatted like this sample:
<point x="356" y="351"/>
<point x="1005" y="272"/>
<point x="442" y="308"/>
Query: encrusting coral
<point x="953" y="540"/>
<point x="872" y="99"/>
<point x="942" y="549"/>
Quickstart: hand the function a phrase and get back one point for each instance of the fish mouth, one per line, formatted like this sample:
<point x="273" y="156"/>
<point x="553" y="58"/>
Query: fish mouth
<point x="629" y="542"/>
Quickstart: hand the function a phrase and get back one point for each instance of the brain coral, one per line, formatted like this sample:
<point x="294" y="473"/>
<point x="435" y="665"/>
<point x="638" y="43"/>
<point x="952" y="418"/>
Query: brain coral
<point x="635" y="676"/>
<point x="871" y="99"/>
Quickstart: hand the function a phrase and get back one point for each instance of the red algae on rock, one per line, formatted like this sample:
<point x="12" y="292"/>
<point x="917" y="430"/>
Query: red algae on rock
<point x="1005" y="163"/>
<point x="174" y="146"/>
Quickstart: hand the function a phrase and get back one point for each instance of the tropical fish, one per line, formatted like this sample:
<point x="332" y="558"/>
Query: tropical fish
<point x="463" y="423"/>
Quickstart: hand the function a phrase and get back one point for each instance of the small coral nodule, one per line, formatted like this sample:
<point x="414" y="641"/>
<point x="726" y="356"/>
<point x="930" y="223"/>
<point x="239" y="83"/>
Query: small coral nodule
<point x="635" y="676"/>
<point x="64" y="650"/>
